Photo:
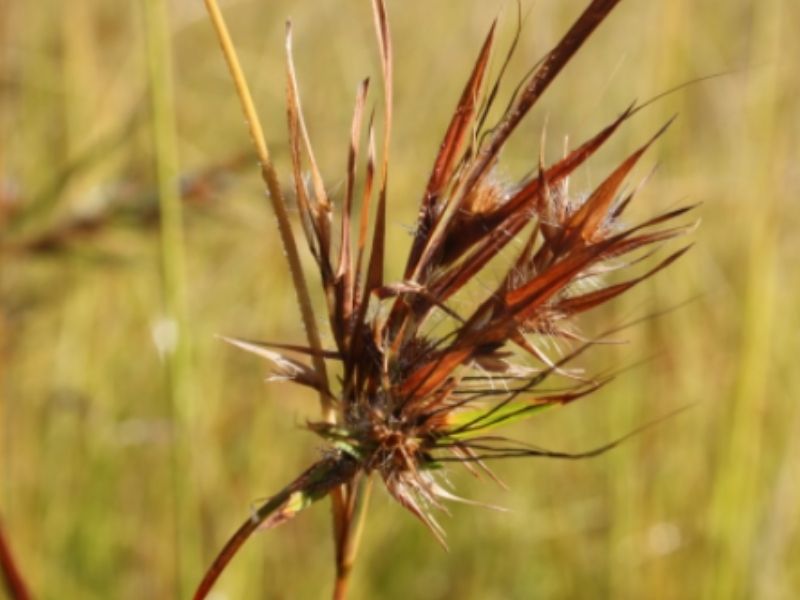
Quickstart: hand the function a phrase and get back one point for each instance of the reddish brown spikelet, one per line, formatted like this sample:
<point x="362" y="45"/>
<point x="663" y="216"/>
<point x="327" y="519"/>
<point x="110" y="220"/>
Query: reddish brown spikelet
<point x="411" y="397"/>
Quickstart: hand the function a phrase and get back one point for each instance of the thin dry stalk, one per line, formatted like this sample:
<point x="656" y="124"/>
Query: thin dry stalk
<point x="341" y="526"/>
<point x="270" y="178"/>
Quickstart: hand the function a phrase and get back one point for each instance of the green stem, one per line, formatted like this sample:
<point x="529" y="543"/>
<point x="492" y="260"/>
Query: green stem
<point x="737" y="502"/>
<point x="175" y="347"/>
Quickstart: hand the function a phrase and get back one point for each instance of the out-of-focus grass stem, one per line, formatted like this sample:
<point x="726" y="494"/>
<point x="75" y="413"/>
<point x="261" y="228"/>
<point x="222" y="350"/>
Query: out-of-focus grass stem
<point x="736" y="498"/>
<point x="173" y="271"/>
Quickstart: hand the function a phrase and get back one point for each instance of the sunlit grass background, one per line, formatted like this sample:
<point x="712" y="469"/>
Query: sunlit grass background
<point x="108" y="492"/>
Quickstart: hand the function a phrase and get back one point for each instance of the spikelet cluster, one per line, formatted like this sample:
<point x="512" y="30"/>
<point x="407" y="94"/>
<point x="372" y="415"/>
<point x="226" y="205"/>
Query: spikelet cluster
<point x="410" y="396"/>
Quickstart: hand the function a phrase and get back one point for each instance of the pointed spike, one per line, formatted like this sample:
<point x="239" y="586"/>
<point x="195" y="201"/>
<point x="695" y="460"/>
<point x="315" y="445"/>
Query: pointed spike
<point x="331" y="354"/>
<point x="345" y="278"/>
<point x="285" y="367"/>
<point x="594" y="212"/>
<point x="384" y="37"/>
<point x="321" y="196"/>
<point x="450" y="150"/>
<point x="309" y="216"/>
<point x="352" y="160"/>
<point x="403" y="495"/>
<point x="495" y="88"/>
<point x="363" y="226"/>
<point x="552" y="65"/>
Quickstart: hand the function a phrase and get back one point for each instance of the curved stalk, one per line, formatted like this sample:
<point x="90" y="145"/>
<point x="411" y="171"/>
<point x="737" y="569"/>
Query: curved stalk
<point x="236" y="541"/>
<point x="14" y="583"/>
<point x="314" y="484"/>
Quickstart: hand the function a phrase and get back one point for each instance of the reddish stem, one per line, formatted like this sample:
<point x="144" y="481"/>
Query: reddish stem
<point x="340" y="587"/>
<point x="14" y="583"/>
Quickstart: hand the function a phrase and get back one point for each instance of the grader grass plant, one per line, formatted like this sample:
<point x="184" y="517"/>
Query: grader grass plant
<point x="419" y="385"/>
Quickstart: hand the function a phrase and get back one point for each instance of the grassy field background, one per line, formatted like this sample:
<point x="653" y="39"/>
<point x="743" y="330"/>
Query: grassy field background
<point x="110" y="490"/>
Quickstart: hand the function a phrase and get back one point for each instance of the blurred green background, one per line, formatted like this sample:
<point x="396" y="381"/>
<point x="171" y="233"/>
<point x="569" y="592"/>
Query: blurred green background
<point x="109" y="490"/>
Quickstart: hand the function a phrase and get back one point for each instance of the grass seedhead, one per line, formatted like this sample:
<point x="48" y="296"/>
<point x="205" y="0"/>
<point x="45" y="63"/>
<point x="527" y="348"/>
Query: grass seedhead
<point x="413" y="398"/>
